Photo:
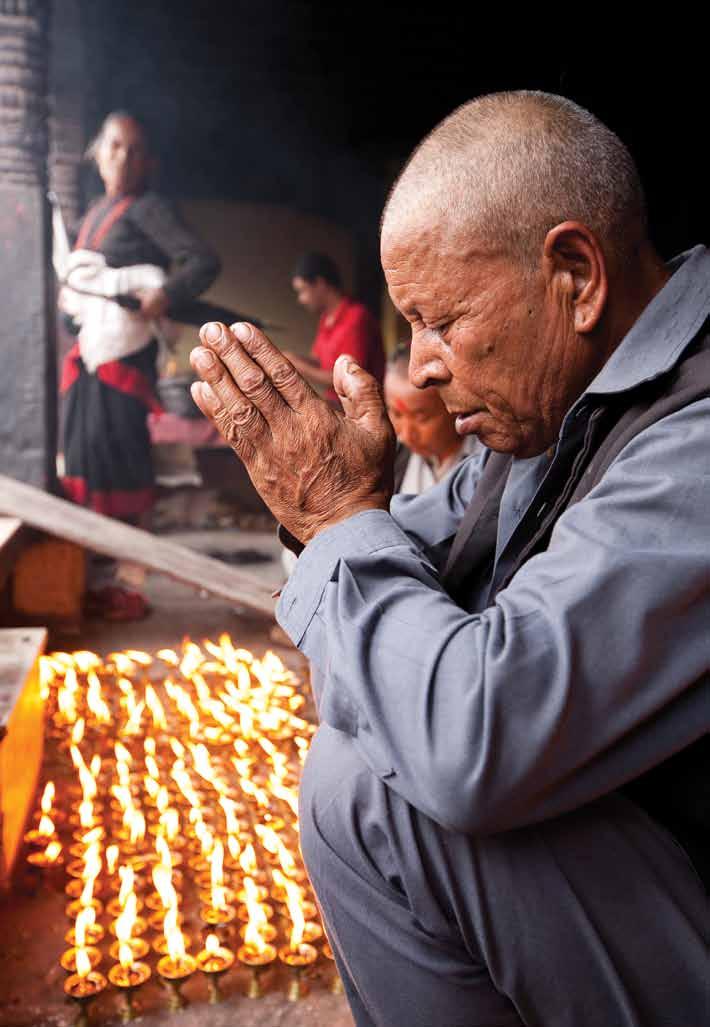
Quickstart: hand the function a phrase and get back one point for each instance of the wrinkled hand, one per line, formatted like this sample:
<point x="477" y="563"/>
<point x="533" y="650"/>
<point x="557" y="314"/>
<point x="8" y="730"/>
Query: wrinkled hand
<point x="154" y="303"/>
<point x="312" y="465"/>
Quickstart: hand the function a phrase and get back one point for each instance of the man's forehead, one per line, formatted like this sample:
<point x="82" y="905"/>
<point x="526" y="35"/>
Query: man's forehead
<point x="405" y="242"/>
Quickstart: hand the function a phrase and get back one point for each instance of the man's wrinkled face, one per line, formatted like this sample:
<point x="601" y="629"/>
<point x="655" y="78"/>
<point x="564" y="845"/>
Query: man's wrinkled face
<point x="122" y="157"/>
<point x="311" y="295"/>
<point x="498" y="345"/>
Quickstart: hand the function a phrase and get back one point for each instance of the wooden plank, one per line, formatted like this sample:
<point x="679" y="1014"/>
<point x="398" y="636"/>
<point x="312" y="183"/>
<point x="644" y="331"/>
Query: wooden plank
<point x="9" y="526"/>
<point x="104" y="535"/>
<point x="21" y="735"/>
<point x="19" y="648"/>
<point x="12" y="534"/>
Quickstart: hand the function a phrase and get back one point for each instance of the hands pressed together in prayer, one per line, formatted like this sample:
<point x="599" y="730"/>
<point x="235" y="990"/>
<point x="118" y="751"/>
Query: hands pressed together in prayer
<point x="312" y="465"/>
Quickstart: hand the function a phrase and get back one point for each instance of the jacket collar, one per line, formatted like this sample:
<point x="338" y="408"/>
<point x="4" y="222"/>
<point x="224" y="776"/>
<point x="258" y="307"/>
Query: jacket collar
<point x="664" y="330"/>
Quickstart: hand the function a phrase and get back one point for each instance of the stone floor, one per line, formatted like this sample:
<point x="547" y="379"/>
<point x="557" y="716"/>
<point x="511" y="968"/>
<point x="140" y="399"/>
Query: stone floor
<point x="31" y="915"/>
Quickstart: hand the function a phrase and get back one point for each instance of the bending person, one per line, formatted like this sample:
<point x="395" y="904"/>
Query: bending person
<point x="344" y="325"/>
<point x="504" y="810"/>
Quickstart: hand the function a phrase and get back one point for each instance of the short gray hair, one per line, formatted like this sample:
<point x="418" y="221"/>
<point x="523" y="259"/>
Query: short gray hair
<point x="512" y="165"/>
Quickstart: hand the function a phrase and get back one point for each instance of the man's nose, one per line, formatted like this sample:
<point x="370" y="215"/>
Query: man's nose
<point x="406" y="435"/>
<point x="425" y="364"/>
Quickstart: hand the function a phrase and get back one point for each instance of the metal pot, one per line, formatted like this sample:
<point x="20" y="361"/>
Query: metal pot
<point x="174" y="395"/>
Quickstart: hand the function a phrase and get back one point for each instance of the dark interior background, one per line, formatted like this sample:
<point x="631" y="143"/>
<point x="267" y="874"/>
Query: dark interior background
<point x="316" y="105"/>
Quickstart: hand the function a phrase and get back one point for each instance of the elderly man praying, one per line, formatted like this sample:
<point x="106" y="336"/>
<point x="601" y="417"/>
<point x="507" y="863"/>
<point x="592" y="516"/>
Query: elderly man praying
<point x="504" y="812"/>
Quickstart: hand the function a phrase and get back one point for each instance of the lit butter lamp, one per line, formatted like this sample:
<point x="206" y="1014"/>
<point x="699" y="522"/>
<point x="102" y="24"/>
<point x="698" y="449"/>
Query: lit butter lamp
<point x="86" y="931"/>
<point x="217" y="895"/>
<point x="85" y="901"/>
<point x="214" y="960"/>
<point x="80" y="848"/>
<point x="177" y="966"/>
<point x="83" y="986"/>
<point x="127" y="877"/>
<point x="297" y="955"/>
<point x="217" y="912"/>
<point x="257" y="956"/>
<point x="43" y="834"/>
<point x="128" y="975"/>
<point x="300" y="909"/>
<point x="47" y="807"/>
<point x="129" y="924"/>
<point x="44" y="859"/>
<point x="164" y="897"/>
<point x="256" y="953"/>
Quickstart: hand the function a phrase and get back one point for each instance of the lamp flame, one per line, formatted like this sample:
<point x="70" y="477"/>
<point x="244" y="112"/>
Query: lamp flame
<point x="173" y="935"/>
<point x="125" y="955"/>
<point x="83" y="963"/>
<point x="85" y="918"/>
<point x="46" y="826"/>
<point x="126" y="921"/>
<point x="48" y="797"/>
<point x="162" y="879"/>
<point x="53" y="852"/>
<point x="127" y="883"/>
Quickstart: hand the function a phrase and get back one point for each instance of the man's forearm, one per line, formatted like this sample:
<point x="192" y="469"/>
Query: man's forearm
<point x="572" y="684"/>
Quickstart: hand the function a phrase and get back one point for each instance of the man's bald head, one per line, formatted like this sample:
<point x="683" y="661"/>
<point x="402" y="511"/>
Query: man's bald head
<point x="504" y="169"/>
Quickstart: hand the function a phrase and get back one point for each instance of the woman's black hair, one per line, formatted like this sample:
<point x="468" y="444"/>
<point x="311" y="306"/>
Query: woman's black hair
<point x="318" y="265"/>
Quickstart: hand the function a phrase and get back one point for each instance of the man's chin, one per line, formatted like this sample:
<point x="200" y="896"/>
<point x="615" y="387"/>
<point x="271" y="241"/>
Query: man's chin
<point x="470" y="424"/>
<point x="494" y="435"/>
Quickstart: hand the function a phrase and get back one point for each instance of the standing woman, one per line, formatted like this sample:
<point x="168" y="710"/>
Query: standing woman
<point x="109" y="376"/>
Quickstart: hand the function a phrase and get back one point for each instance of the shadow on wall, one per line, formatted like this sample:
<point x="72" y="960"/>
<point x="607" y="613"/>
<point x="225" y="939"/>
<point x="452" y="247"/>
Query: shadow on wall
<point x="259" y="245"/>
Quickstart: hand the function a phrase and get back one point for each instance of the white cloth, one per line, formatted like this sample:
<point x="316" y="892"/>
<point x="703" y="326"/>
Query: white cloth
<point x="108" y="331"/>
<point x="422" y="474"/>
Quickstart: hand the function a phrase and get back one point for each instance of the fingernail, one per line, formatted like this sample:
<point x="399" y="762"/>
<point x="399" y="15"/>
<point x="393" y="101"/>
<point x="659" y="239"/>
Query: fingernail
<point x="350" y="365"/>
<point x="207" y="396"/>
<point x="242" y="331"/>
<point x="211" y="332"/>
<point x="202" y="360"/>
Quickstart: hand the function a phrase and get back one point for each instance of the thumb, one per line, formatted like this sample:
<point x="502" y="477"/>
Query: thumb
<point x="359" y="393"/>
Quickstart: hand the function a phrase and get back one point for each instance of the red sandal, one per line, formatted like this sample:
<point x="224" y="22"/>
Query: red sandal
<point x="114" y="603"/>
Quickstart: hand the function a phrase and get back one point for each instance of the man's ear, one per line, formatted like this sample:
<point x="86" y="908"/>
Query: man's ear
<point x="573" y="261"/>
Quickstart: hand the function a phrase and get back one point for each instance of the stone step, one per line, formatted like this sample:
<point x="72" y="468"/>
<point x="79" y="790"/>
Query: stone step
<point x="21" y="736"/>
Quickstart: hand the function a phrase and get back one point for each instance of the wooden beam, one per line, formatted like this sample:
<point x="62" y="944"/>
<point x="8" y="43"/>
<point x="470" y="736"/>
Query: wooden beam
<point x="12" y="536"/>
<point x="102" y="534"/>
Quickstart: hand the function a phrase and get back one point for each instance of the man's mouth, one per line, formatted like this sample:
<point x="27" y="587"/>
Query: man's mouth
<point x="466" y="423"/>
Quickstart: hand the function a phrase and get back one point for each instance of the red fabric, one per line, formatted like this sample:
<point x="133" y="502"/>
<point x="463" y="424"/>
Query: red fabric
<point x="70" y="368"/>
<point x="117" y="375"/>
<point x="351" y="329"/>
<point x="99" y="222"/>
<point x="114" y="503"/>
<point x="129" y="380"/>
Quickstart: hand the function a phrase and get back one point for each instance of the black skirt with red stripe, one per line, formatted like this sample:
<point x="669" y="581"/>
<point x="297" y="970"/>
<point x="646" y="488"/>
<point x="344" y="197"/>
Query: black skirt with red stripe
<point x="107" y="455"/>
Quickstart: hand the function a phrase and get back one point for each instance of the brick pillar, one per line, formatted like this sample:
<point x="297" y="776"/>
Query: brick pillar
<point x="27" y="348"/>
<point x="67" y="90"/>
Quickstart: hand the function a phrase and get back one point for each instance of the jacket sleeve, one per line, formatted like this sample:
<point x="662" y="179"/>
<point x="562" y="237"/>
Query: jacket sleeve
<point x="193" y="264"/>
<point x="591" y="667"/>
